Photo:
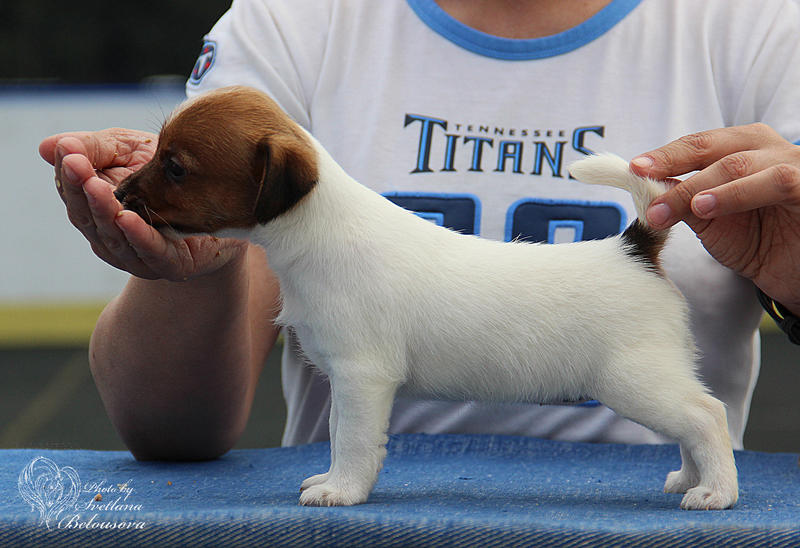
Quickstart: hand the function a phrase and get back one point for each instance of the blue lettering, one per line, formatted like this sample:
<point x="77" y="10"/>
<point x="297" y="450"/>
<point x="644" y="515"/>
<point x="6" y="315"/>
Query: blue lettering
<point x="450" y="152"/>
<point x="579" y="136"/>
<point x="425" y="136"/>
<point x="512" y="150"/>
<point x="477" y="151"/>
<point x="554" y="159"/>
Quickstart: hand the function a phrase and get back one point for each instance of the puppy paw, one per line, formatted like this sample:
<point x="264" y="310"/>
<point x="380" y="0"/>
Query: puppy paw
<point x="705" y="498"/>
<point x="329" y="494"/>
<point x="680" y="481"/>
<point x="314" y="480"/>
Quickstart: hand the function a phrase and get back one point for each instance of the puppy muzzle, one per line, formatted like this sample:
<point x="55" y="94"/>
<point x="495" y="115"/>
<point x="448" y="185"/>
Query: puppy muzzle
<point x="133" y="203"/>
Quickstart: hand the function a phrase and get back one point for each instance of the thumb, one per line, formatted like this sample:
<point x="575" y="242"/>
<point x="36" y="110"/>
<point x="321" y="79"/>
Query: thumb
<point x="47" y="149"/>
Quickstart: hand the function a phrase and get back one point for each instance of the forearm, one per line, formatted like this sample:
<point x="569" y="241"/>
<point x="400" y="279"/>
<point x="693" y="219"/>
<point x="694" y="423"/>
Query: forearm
<point x="176" y="363"/>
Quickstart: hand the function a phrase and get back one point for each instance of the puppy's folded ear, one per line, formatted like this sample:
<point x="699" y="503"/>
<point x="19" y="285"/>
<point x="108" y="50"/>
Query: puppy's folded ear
<point x="285" y="169"/>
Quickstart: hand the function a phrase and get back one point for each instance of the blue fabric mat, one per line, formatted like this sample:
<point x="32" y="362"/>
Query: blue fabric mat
<point x="433" y="491"/>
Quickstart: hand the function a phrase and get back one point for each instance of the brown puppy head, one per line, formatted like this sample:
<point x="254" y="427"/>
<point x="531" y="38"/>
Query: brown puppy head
<point x="230" y="158"/>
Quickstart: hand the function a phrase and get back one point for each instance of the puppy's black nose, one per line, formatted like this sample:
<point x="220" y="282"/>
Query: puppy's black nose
<point x="120" y="194"/>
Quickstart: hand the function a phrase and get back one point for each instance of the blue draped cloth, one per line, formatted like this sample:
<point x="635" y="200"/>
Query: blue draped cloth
<point x="443" y="490"/>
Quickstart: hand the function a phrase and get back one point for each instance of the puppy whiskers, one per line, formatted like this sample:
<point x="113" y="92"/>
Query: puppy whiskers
<point x="150" y="213"/>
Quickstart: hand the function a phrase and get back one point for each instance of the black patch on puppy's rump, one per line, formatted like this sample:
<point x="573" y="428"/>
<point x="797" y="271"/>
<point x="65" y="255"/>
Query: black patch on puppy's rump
<point x="644" y="244"/>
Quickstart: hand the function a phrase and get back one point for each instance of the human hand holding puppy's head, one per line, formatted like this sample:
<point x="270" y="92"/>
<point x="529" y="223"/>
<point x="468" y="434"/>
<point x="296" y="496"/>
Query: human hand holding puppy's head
<point x="226" y="159"/>
<point x="89" y="166"/>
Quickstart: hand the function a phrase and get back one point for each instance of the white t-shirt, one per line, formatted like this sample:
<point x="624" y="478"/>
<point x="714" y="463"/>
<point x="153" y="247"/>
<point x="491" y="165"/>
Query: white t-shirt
<point x="476" y="132"/>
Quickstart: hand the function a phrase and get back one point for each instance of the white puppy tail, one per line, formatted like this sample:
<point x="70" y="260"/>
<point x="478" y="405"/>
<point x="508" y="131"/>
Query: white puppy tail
<point x="611" y="170"/>
<point x="640" y="241"/>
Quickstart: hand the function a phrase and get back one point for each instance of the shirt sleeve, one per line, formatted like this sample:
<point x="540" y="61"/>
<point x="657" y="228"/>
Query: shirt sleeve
<point x="276" y="46"/>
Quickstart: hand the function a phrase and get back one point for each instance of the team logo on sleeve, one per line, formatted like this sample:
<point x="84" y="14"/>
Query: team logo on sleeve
<point x="204" y="61"/>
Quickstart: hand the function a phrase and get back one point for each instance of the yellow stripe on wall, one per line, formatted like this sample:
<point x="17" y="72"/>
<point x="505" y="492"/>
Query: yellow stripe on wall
<point x="48" y="324"/>
<point x="54" y="324"/>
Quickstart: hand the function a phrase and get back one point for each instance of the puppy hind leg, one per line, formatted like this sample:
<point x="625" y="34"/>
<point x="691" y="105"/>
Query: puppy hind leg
<point x="711" y="450"/>
<point x="332" y="420"/>
<point x="362" y="418"/>
<point x="684" y="479"/>
<point x="680" y="408"/>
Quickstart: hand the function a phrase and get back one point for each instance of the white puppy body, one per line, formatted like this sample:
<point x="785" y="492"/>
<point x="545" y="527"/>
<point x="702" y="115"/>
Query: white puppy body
<point x="383" y="300"/>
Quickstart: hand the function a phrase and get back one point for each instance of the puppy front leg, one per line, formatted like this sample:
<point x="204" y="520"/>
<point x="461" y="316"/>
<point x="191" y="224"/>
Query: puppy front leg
<point x="332" y="420"/>
<point x="362" y="409"/>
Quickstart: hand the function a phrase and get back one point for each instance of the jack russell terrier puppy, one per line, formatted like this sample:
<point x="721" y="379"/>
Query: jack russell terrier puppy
<point x="384" y="301"/>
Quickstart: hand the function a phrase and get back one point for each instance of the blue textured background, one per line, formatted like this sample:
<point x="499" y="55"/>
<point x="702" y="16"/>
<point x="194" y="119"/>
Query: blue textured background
<point x="433" y="490"/>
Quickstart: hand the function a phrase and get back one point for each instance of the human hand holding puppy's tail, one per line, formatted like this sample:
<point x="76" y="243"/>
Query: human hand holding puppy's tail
<point x="88" y="167"/>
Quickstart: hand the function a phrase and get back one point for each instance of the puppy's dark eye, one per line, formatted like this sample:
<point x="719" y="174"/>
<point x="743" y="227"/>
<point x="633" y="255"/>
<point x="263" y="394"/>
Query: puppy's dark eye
<point x="173" y="170"/>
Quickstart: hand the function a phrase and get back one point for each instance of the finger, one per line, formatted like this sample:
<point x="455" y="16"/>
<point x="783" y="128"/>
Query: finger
<point x="700" y="150"/>
<point x="676" y="204"/>
<point x="86" y="143"/>
<point x="113" y="153"/>
<point x="77" y="177"/>
<point x="67" y="147"/>
<point x="152" y="250"/>
<point x="105" y="148"/>
<point x="47" y="149"/>
<point x="89" y="212"/>
<point x="74" y="171"/>
<point x="104" y="209"/>
<point x="778" y="184"/>
<point x="114" y="175"/>
<point x="111" y="244"/>
<point x="91" y="206"/>
<point x="48" y="146"/>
